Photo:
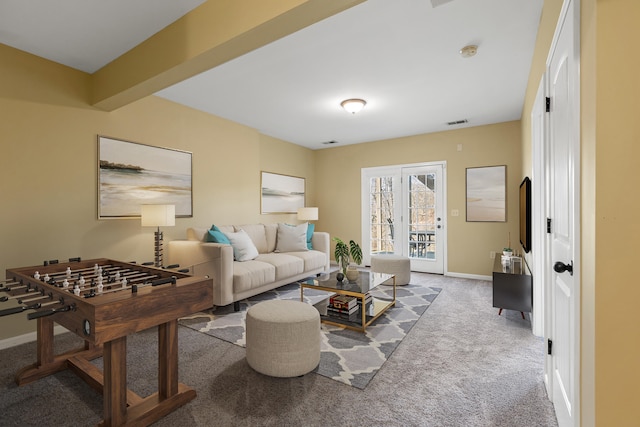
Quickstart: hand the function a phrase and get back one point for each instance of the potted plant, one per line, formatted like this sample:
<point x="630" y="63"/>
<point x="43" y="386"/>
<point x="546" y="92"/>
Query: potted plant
<point x="343" y="253"/>
<point x="508" y="251"/>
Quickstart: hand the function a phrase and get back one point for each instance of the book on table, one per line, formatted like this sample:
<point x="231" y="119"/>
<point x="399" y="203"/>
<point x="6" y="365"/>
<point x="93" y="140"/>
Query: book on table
<point x="351" y="310"/>
<point x="343" y="302"/>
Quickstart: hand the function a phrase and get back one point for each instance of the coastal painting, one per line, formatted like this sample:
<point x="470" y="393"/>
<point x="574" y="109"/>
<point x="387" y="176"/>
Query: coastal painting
<point x="132" y="174"/>
<point x="486" y="194"/>
<point x="281" y="193"/>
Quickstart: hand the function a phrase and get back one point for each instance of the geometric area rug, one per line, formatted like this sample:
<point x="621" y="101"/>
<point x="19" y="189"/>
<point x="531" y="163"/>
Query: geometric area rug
<point x="347" y="356"/>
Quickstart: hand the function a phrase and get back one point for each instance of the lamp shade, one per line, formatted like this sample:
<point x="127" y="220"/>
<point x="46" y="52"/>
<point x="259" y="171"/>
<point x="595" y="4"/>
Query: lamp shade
<point x="158" y="215"/>
<point x="308" y="214"/>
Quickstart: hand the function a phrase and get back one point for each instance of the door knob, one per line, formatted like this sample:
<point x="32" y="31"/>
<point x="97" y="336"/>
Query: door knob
<point x="560" y="267"/>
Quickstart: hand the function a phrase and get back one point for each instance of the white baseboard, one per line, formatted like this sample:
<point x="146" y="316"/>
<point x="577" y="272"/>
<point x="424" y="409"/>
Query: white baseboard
<point x="469" y="276"/>
<point x="31" y="336"/>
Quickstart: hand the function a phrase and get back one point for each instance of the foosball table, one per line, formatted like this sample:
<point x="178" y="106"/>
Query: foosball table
<point x="103" y="301"/>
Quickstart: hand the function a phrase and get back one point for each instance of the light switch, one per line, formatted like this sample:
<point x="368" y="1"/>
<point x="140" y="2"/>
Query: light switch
<point x="455" y="212"/>
<point x="459" y="147"/>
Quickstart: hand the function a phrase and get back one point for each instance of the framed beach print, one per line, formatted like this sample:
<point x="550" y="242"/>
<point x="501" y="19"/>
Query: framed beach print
<point x="281" y="193"/>
<point x="487" y="194"/>
<point x="132" y="174"/>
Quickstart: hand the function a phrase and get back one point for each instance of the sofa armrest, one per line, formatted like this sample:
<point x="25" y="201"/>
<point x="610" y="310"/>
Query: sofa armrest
<point x="321" y="242"/>
<point x="214" y="260"/>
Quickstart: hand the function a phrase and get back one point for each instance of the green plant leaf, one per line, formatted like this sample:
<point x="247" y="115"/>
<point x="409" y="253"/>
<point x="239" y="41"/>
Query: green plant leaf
<point x="356" y="252"/>
<point x="341" y="253"/>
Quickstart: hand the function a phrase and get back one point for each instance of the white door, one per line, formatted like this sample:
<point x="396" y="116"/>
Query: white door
<point x="424" y="219"/>
<point x="563" y="223"/>
<point x="403" y="213"/>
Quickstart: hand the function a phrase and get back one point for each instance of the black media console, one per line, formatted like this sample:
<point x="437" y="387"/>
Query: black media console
<point x="512" y="290"/>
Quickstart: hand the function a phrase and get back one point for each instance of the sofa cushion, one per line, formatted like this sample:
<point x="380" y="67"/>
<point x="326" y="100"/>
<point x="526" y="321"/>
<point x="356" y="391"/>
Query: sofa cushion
<point x="312" y="259"/>
<point x="257" y="235"/>
<point x="291" y="238"/>
<point x="243" y="247"/>
<point x="286" y="265"/>
<point x="271" y="231"/>
<point x="252" y="274"/>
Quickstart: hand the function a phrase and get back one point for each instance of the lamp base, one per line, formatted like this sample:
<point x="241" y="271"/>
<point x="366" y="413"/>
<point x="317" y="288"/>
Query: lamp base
<point x="158" y="248"/>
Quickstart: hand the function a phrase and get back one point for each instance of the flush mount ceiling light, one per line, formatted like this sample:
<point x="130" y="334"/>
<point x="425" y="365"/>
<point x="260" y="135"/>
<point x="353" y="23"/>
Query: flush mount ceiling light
<point x="353" y="105"/>
<point x="469" y="51"/>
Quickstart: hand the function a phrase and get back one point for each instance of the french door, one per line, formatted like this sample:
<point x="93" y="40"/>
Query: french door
<point x="403" y="213"/>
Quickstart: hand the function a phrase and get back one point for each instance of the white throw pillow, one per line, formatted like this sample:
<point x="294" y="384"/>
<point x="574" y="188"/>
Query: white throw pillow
<point x="243" y="247"/>
<point x="292" y="238"/>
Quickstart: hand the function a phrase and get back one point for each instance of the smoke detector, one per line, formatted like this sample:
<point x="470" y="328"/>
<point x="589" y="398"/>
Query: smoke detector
<point x="469" y="51"/>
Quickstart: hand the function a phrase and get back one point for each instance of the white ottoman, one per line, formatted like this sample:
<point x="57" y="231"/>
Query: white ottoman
<point x="283" y="338"/>
<point x="392" y="264"/>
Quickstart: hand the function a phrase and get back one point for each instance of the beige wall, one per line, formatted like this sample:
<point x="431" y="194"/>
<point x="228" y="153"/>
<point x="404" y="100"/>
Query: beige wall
<point x="617" y="228"/>
<point x="48" y="169"/>
<point x="469" y="243"/>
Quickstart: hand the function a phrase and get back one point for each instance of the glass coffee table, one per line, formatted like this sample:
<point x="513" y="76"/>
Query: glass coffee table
<point x="356" y="319"/>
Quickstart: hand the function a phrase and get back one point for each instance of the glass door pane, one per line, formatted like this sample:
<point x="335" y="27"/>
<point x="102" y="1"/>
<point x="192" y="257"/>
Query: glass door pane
<point x="423" y="205"/>
<point x="422" y="216"/>
<point x="381" y="222"/>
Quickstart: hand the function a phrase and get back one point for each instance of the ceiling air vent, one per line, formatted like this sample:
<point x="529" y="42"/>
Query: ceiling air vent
<point x="330" y="142"/>
<point x="458" y="122"/>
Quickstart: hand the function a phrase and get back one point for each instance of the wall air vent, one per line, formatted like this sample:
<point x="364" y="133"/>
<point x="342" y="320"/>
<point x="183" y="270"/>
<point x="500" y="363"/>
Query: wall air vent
<point x="458" y="122"/>
<point x="330" y="142"/>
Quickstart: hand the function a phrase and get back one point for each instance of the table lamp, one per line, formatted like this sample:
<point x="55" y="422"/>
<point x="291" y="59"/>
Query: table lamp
<point x="308" y="214"/>
<point x="157" y="216"/>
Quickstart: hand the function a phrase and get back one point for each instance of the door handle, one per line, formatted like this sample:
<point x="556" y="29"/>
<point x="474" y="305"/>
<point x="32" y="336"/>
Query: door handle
<point x="560" y="267"/>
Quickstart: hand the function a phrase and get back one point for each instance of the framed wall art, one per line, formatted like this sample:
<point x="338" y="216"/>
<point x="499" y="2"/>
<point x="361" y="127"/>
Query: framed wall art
<point x="487" y="194"/>
<point x="132" y="174"/>
<point x="281" y="193"/>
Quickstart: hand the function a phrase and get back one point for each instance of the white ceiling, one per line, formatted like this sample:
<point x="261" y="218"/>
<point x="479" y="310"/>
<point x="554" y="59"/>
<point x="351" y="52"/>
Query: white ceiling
<point x="401" y="56"/>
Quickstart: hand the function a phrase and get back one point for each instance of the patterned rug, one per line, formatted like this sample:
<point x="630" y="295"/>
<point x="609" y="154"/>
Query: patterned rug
<point x="347" y="356"/>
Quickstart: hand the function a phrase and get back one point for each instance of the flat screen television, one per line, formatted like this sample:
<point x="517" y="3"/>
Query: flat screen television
<point x="525" y="214"/>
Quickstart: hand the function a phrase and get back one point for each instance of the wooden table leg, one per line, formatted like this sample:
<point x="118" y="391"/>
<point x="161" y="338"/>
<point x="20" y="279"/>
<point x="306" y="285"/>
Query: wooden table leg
<point x="168" y="359"/>
<point x="115" y="382"/>
<point x="45" y="341"/>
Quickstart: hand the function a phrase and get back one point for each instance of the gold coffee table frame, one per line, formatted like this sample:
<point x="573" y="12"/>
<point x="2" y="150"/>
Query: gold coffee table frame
<point x="366" y="282"/>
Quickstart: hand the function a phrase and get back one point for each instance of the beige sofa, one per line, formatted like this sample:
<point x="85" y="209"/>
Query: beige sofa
<point x="233" y="280"/>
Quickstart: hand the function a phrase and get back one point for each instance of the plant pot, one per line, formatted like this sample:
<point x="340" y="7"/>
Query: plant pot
<point x="352" y="273"/>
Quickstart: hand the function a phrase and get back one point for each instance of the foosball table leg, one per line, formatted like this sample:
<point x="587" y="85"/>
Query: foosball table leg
<point x="115" y="382"/>
<point x="47" y="362"/>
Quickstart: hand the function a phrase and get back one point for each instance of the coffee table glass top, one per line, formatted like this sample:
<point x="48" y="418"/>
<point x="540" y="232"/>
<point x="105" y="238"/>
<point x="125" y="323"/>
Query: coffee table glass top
<point x="366" y="281"/>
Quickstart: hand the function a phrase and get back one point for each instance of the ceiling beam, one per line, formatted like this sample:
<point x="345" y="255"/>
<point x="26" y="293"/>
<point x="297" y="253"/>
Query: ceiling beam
<point x="212" y="34"/>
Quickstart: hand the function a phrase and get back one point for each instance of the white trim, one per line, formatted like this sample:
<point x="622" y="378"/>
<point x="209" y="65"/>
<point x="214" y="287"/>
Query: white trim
<point x="469" y="276"/>
<point x="28" y="337"/>
<point x="538" y="252"/>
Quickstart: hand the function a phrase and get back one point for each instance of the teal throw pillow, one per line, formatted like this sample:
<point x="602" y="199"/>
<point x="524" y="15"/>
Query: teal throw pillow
<point x="217" y="236"/>
<point x="310" y="228"/>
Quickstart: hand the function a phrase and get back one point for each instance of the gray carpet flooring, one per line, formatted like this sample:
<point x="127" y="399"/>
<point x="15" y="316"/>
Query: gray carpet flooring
<point x="460" y="365"/>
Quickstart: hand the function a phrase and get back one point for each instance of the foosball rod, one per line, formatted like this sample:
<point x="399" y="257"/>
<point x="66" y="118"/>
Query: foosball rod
<point x="51" y="311"/>
<point x="133" y="287"/>
<point x="20" y="309"/>
<point x="133" y="276"/>
<point x="29" y="292"/>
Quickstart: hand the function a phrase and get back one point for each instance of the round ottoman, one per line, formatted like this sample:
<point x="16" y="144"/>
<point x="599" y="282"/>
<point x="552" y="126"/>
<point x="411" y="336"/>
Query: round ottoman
<point x="392" y="264"/>
<point x="283" y="338"/>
